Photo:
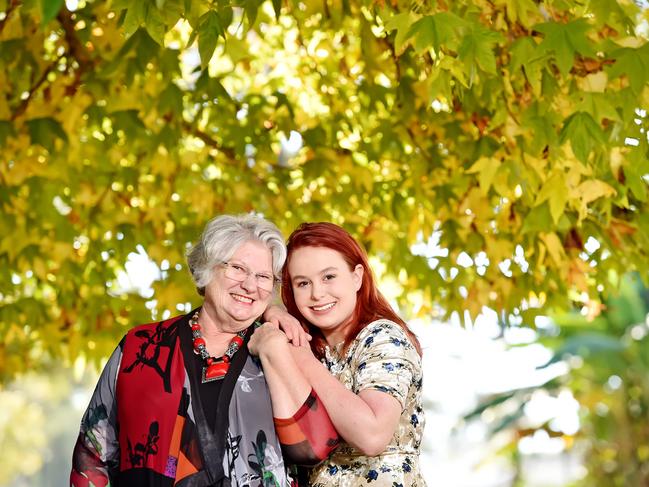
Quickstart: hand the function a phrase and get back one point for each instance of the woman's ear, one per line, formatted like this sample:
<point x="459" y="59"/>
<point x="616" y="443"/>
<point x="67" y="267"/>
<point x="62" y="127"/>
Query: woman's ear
<point x="357" y="276"/>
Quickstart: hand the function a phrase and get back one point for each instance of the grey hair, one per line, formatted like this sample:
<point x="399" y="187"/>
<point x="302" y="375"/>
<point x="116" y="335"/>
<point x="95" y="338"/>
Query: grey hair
<point x="223" y="235"/>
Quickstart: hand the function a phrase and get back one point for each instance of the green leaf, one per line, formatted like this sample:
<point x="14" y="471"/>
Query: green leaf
<point x="636" y="167"/>
<point x="477" y="49"/>
<point x="128" y="121"/>
<point x="538" y="220"/>
<point x="6" y="130"/>
<point x="45" y="131"/>
<point x="633" y="63"/>
<point x="171" y="100"/>
<point x="50" y="9"/>
<point x="598" y="105"/>
<point x="277" y="8"/>
<point x="518" y="10"/>
<point x="251" y="7"/>
<point x="489" y="403"/>
<point x="522" y="52"/>
<point x="226" y="13"/>
<point x="401" y="23"/>
<point x="435" y="31"/>
<point x="212" y="88"/>
<point x="583" y="133"/>
<point x="135" y="15"/>
<point x="540" y="120"/>
<point x="586" y="345"/>
<point x="209" y="31"/>
<point x="154" y="23"/>
<point x="564" y="40"/>
<point x="610" y="12"/>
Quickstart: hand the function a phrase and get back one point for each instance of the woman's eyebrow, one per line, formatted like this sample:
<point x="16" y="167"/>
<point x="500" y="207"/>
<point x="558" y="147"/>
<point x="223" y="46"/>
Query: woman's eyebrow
<point x="326" y="269"/>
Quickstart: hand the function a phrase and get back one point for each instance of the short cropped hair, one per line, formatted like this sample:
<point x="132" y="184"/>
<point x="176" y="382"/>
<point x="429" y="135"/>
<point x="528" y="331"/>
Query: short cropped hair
<point x="223" y="235"/>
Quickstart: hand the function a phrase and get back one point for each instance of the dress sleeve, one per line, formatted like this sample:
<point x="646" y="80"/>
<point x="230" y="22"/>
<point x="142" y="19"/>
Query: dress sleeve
<point x="95" y="460"/>
<point x="385" y="361"/>
<point x="308" y="436"/>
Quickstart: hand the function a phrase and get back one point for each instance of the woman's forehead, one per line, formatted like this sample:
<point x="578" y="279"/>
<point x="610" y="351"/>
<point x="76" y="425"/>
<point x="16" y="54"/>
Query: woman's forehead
<point x="253" y="252"/>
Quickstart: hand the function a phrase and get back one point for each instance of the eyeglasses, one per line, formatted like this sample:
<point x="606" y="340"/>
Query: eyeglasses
<point x="239" y="272"/>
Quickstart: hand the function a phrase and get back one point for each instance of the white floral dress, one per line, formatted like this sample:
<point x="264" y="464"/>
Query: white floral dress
<point x="380" y="358"/>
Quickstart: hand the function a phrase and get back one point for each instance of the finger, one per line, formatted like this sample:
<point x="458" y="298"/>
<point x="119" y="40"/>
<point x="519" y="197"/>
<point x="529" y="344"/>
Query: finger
<point x="290" y="336"/>
<point x="305" y="338"/>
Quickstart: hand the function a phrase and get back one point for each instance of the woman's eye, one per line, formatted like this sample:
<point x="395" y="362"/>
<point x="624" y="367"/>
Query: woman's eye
<point x="264" y="278"/>
<point x="236" y="267"/>
<point x="329" y="277"/>
<point x="302" y="284"/>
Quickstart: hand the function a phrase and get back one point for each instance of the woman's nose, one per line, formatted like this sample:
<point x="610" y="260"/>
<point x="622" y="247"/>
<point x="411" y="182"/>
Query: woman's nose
<point x="249" y="283"/>
<point x="317" y="291"/>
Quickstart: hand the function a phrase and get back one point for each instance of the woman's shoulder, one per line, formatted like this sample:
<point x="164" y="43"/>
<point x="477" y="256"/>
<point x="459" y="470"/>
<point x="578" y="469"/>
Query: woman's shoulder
<point x="147" y="329"/>
<point x="383" y="330"/>
<point x="382" y="326"/>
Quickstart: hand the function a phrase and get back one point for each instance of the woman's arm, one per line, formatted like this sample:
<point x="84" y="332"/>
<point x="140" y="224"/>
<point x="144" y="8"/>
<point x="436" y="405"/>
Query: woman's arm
<point x="288" y="387"/>
<point x="95" y="459"/>
<point x="303" y="426"/>
<point x="366" y="420"/>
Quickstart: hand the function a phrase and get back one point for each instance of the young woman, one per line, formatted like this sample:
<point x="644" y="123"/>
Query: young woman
<point x="371" y="382"/>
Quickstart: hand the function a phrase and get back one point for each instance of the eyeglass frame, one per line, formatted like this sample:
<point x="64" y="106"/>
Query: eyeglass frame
<point x="248" y="272"/>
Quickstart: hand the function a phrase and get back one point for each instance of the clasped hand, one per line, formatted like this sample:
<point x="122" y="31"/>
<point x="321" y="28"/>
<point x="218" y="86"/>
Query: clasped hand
<point x="289" y="325"/>
<point x="267" y="338"/>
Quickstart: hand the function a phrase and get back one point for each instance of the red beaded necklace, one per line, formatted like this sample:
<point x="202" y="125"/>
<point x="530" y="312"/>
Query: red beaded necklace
<point x="216" y="367"/>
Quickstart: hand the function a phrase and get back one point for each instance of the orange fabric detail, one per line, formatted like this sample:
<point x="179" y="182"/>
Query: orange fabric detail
<point x="176" y="435"/>
<point x="288" y="431"/>
<point x="184" y="468"/>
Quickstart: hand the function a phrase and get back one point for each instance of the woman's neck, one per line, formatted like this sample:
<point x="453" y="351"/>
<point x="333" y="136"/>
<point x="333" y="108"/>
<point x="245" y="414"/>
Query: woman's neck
<point x="213" y="330"/>
<point x="337" y="335"/>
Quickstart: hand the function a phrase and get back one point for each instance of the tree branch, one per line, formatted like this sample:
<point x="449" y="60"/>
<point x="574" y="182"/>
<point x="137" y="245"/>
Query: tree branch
<point x="25" y="102"/>
<point x="209" y="141"/>
<point x="13" y="5"/>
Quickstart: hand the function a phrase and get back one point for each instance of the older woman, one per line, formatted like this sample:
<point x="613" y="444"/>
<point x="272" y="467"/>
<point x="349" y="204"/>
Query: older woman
<point x="180" y="402"/>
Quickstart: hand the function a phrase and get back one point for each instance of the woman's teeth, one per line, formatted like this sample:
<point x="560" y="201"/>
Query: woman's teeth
<point x="242" y="299"/>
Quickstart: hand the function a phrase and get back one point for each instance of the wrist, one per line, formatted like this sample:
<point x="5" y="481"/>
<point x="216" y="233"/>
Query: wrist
<point x="272" y="351"/>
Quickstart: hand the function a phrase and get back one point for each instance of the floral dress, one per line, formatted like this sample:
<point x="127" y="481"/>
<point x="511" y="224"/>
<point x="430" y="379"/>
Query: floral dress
<point x="380" y="358"/>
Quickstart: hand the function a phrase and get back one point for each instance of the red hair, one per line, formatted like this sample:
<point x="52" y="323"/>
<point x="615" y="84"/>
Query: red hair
<point x="371" y="305"/>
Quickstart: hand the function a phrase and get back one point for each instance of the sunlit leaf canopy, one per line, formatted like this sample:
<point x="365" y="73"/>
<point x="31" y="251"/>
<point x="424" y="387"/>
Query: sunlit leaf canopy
<point x="504" y="141"/>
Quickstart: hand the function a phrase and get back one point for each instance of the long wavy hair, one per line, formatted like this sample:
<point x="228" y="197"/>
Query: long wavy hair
<point x="371" y="305"/>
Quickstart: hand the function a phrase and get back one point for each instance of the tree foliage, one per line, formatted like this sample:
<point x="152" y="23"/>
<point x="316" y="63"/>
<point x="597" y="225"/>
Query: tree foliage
<point x="501" y="136"/>
<point x="607" y="358"/>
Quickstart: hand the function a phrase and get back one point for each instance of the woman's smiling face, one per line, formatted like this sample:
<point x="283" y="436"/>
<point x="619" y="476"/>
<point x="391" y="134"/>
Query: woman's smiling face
<point x="325" y="289"/>
<point x="235" y="304"/>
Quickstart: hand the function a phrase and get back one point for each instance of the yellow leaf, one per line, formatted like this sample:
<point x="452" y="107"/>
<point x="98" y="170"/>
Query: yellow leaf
<point x="558" y="202"/>
<point x="413" y="227"/>
<point x="12" y="28"/>
<point x="554" y="246"/>
<point x="549" y="186"/>
<point x="593" y="189"/>
<point x="487" y="167"/>
<point x="73" y="110"/>
<point x="499" y="249"/>
<point x="594" y="83"/>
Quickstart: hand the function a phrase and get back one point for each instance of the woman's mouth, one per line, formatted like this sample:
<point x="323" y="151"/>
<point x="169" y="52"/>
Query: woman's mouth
<point x="323" y="307"/>
<point x="242" y="299"/>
